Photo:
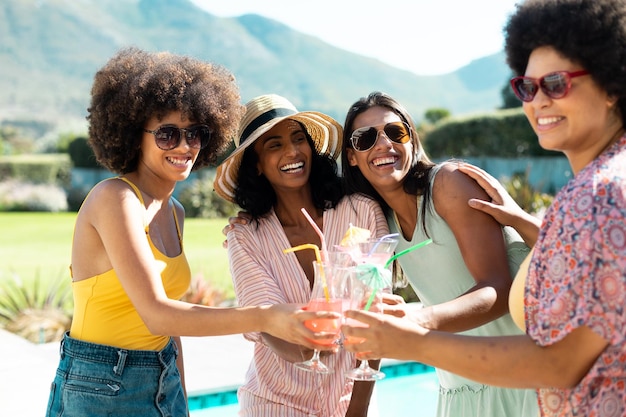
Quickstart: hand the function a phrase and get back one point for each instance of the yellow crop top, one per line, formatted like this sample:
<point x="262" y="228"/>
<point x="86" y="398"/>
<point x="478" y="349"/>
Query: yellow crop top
<point x="104" y="314"/>
<point x="516" y="293"/>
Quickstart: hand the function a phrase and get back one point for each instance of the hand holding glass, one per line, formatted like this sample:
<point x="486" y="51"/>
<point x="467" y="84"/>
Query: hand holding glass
<point x="325" y="296"/>
<point x="367" y="281"/>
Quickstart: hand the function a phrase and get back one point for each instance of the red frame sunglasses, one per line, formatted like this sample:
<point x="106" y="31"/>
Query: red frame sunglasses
<point x="555" y="84"/>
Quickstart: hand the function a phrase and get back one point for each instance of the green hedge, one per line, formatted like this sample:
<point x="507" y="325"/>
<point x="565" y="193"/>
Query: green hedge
<point x="81" y="154"/>
<point x="504" y="134"/>
<point x="54" y="169"/>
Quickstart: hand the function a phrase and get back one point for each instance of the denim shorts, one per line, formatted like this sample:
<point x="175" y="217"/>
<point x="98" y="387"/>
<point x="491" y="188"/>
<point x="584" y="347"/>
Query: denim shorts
<point x="99" y="380"/>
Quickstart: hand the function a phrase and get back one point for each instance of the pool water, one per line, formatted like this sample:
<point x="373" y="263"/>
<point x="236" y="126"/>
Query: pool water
<point x="408" y="389"/>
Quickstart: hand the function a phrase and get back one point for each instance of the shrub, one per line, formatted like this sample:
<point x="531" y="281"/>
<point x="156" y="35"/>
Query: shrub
<point x="525" y="195"/>
<point x="22" y="196"/>
<point x="37" y="168"/>
<point x="81" y="154"/>
<point x="202" y="292"/>
<point x="407" y="293"/>
<point x="39" y="310"/>
<point x="504" y="134"/>
<point x="200" y="200"/>
<point x="75" y="198"/>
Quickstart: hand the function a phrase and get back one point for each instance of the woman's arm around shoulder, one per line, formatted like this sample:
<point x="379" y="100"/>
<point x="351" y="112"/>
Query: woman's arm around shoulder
<point x="481" y="243"/>
<point x="501" y="206"/>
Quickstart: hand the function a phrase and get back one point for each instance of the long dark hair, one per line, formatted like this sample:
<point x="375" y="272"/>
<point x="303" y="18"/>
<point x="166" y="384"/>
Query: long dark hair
<point x="417" y="180"/>
<point x="255" y="194"/>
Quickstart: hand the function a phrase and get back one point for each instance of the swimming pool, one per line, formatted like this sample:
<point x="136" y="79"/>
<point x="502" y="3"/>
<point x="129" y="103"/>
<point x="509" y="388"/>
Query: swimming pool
<point x="410" y="388"/>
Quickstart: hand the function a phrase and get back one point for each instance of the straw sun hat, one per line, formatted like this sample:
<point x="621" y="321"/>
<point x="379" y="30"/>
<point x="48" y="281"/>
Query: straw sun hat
<point x="263" y="113"/>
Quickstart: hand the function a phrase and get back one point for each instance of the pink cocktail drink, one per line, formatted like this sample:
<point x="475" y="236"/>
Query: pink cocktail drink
<point x="353" y="339"/>
<point x="330" y="326"/>
<point x="358" y="304"/>
<point x="347" y="305"/>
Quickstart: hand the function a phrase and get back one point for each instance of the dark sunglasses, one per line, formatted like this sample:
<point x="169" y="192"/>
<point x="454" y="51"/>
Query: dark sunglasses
<point x="169" y="137"/>
<point x="364" y="138"/>
<point x="554" y="85"/>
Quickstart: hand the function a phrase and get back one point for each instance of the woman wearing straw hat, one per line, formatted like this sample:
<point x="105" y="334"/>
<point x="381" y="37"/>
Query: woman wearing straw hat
<point x="285" y="161"/>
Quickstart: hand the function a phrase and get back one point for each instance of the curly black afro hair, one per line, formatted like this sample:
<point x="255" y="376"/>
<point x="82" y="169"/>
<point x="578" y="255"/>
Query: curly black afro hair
<point x="136" y="85"/>
<point x="591" y="33"/>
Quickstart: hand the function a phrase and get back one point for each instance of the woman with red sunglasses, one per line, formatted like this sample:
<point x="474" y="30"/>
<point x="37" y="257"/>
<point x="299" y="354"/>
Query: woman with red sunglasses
<point x="569" y="294"/>
<point x="154" y="117"/>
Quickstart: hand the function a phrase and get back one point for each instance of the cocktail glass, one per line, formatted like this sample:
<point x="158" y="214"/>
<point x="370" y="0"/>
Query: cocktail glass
<point x="327" y="295"/>
<point x="370" y="279"/>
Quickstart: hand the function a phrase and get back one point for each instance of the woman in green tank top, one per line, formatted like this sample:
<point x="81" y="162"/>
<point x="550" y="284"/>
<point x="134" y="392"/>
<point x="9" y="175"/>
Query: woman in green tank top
<point x="463" y="277"/>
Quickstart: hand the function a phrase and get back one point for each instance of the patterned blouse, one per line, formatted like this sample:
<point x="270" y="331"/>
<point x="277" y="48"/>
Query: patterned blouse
<point x="577" y="277"/>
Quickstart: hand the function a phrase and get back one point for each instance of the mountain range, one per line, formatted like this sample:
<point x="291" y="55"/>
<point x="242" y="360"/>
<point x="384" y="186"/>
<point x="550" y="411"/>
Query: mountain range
<point x="51" y="49"/>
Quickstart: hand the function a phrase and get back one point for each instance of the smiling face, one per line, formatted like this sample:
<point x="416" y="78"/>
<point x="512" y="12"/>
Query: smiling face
<point x="174" y="164"/>
<point x="387" y="163"/>
<point x="582" y="123"/>
<point x="284" y="155"/>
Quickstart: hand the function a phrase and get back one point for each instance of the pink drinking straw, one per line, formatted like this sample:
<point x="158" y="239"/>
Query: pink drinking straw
<point x="324" y="251"/>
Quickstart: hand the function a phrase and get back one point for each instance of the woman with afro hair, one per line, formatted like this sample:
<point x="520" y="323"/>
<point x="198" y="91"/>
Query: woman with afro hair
<point x="154" y="117"/>
<point x="570" y="292"/>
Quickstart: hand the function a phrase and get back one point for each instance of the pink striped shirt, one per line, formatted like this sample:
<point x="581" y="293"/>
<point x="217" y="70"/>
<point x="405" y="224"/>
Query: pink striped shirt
<point x="263" y="274"/>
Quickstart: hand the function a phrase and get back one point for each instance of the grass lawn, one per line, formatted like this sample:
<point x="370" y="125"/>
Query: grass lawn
<point x="40" y="243"/>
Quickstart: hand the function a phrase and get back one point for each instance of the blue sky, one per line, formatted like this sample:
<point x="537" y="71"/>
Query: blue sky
<point x="423" y="36"/>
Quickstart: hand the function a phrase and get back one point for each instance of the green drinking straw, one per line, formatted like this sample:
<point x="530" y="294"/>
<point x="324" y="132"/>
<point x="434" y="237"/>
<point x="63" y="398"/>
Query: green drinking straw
<point x="393" y="258"/>
<point x="407" y="250"/>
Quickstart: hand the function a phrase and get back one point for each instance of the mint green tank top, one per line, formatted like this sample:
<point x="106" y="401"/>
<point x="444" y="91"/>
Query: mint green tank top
<point x="437" y="272"/>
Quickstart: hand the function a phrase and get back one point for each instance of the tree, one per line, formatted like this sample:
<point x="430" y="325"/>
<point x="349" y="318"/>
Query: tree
<point x="509" y="99"/>
<point x="81" y="154"/>
<point x="432" y="116"/>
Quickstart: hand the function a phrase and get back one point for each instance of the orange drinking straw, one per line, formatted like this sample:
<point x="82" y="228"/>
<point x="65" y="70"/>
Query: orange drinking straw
<point x="318" y="259"/>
